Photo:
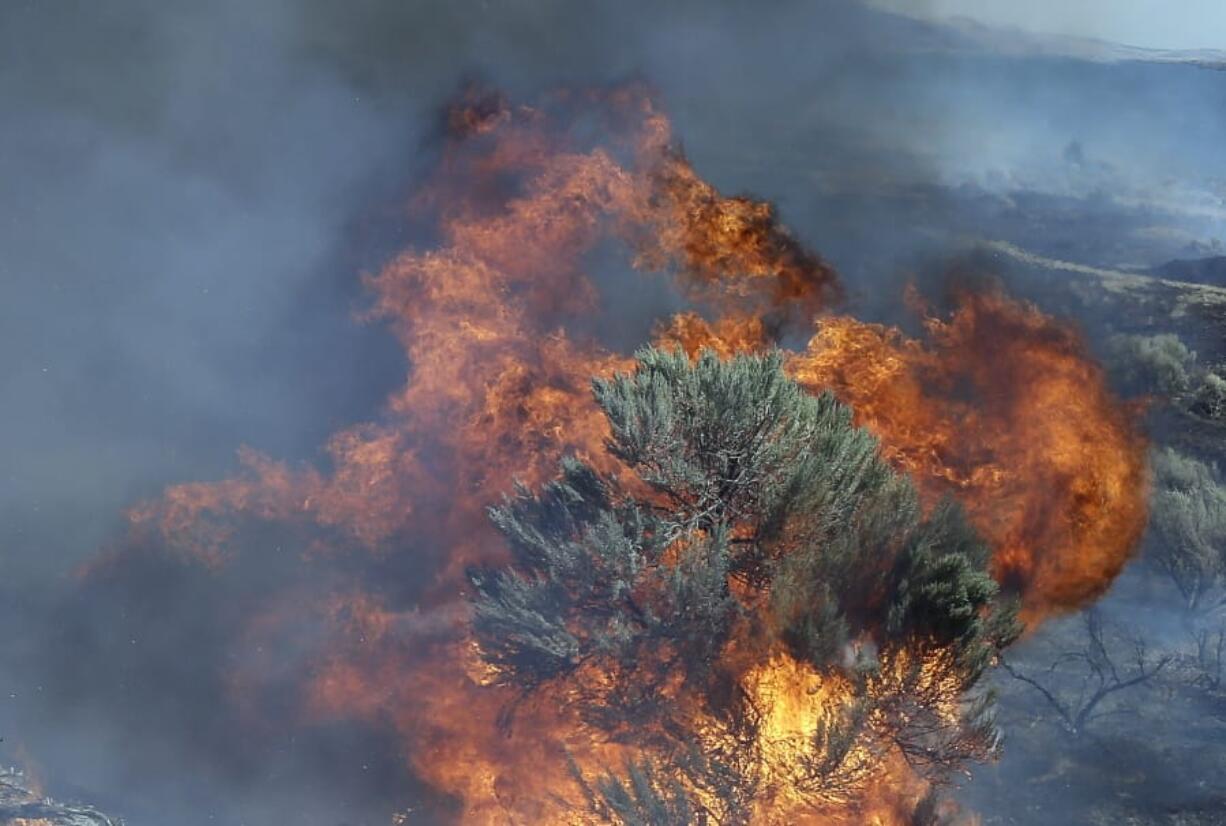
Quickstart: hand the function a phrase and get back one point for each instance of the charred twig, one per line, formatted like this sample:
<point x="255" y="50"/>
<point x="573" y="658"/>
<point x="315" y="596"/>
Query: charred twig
<point x="1102" y="677"/>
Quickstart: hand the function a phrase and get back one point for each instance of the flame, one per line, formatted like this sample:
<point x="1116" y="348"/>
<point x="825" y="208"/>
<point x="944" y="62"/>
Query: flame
<point x="998" y="405"/>
<point x="1003" y="408"/>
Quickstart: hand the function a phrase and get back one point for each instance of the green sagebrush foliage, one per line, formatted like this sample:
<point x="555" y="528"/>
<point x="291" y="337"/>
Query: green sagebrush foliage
<point x="752" y="481"/>
<point x="1188" y="520"/>
<point x="1152" y="364"/>
<point x="1163" y="365"/>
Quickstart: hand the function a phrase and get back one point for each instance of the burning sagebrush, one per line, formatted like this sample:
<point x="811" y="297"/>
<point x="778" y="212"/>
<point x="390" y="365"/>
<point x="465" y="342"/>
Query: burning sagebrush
<point x="1000" y="408"/>
<point x="767" y="623"/>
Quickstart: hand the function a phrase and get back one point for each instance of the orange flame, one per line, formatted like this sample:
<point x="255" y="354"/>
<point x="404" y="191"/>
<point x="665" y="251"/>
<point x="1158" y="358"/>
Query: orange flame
<point x="1000" y="406"/>
<point x="1004" y="409"/>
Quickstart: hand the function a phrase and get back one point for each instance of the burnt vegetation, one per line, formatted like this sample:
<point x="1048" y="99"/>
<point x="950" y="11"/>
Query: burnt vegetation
<point x="1089" y="682"/>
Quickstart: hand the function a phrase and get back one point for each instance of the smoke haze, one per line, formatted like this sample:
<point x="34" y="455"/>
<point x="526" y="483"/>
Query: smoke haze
<point x="190" y="194"/>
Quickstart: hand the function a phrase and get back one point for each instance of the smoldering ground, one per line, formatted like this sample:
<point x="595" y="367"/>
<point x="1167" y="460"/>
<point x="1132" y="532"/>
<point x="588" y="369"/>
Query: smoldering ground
<point x="190" y="195"/>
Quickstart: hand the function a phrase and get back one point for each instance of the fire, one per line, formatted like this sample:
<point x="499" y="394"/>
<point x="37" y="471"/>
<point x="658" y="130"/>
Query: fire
<point x="998" y="405"/>
<point x="1003" y="408"/>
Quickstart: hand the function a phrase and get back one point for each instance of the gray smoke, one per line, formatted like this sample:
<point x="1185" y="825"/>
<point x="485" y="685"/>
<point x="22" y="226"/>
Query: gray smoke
<point x="189" y="193"/>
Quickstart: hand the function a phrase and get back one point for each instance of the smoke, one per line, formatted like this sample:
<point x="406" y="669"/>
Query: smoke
<point x="190" y="194"/>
